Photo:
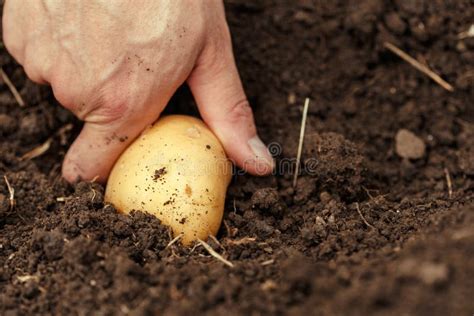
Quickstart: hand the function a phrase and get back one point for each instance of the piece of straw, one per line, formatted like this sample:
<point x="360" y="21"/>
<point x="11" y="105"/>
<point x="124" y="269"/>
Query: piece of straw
<point x="11" y="192"/>
<point x="300" y="144"/>
<point x="213" y="253"/>
<point x="12" y="88"/>
<point x="419" y="66"/>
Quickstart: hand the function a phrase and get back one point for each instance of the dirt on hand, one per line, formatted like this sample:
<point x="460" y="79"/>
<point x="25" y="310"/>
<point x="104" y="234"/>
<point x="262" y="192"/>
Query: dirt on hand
<point x="377" y="224"/>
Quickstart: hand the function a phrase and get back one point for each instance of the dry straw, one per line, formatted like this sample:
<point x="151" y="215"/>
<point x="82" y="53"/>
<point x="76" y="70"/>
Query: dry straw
<point x="300" y="143"/>
<point x="419" y="66"/>
<point x="213" y="253"/>
<point x="12" y="88"/>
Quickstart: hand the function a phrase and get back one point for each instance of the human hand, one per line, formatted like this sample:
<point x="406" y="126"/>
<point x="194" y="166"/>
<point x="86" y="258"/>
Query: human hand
<point x="116" y="64"/>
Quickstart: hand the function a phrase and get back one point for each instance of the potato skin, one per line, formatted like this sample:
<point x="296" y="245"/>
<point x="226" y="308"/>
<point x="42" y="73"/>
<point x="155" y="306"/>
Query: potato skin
<point x="176" y="170"/>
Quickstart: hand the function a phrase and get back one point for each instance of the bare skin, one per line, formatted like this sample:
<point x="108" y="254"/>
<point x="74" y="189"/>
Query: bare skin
<point x="116" y="64"/>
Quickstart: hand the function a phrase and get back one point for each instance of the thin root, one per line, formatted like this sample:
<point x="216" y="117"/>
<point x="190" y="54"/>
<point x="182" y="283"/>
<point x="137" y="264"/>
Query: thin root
<point x="267" y="262"/>
<point x="11" y="191"/>
<point x="300" y="143"/>
<point x="96" y="177"/>
<point x="419" y="66"/>
<point x="41" y="149"/>
<point x="362" y="216"/>
<point x="213" y="253"/>
<point x="231" y="231"/>
<point x="12" y="88"/>
<point x="449" y="182"/>
<point x="242" y="241"/>
<point x="37" y="151"/>
<point x="174" y="240"/>
<point x="25" y="278"/>
<point x="94" y="194"/>
<point x="217" y="242"/>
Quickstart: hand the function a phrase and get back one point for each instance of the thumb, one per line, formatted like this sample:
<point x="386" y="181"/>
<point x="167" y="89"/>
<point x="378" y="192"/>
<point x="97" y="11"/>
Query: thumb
<point x="218" y="91"/>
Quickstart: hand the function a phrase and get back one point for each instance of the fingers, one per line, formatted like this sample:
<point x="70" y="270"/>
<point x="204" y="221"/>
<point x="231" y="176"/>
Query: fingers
<point x="13" y="30"/>
<point x="94" y="152"/>
<point x="216" y="86"/>
<point x="26" y="43"/>
<point x="98" y="146"/>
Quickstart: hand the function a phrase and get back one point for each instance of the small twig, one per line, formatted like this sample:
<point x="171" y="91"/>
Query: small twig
<point x="227" y="228"/>
<point x="37" y="151"/>
<point x="41" y="149"/>
<point x="94" y="179"/>
<point x="368" y="192"/>
<point x="419" y="66"/>
<point x="235" y="208"/>
<point x="468" y="33"/>
<point x="11" y="191"/>
<point x="174" y="240"/>
<point x="94" y="194"/>
<point x="267" y="262"/>
<point x="213" y="253"/>
<point x="300" y="144"/>
<point x="25" y="278"/>
<point x="448" y="181"/>
<point x="217" y="242"/>
<point x="268" y="285"/>
<point x="194" y="247"/>
<point x="244" y="240"/>
<point x="12" y="88"/>
<point x="362" y="216"/>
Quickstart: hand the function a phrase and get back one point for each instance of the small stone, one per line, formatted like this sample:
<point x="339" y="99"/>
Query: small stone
<point x="325" y="197"/>
<point x="408" y="145"/>
<point x="305" y="17"/>
<point x="320" y="221"/>
<point x="331" y="219"/>
<point x="395" y="23"/>
<point x="291" y="98"/>
<point x="429" y="273"/>
<point x="7" y="124"/>
<point x="434" y="274"/>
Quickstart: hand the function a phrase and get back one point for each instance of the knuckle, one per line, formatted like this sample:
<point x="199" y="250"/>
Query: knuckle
<point x="109" y="106"/>
<point x="32" y="71"/>
<point x="90" y="101"/>
<point x="240" y="111"/>
<point x="62" y="93"/>
<point x="35" y="63"/>
<point x="112" y="112"/>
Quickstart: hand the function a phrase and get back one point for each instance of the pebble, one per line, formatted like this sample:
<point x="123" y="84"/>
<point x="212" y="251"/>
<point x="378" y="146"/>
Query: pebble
<point x="325" y="197"/>
<point x="434" y="273"/>
<point x="408" y="145"/>
<point x="395" y="23"/>
<point x="429" y="273"/>
<point x="7" y="124"/>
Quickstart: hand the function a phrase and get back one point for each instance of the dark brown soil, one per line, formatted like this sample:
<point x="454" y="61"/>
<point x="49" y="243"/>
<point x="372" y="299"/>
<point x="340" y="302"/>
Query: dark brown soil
<point x="363" y="232"/>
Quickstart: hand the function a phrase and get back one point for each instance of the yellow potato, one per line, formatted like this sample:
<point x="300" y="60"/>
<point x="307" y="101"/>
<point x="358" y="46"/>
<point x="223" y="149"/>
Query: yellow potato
<point x="176" y="170"/>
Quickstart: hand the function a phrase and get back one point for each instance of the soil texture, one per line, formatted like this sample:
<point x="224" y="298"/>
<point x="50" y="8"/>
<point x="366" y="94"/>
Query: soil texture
<point x="381" y="220"/>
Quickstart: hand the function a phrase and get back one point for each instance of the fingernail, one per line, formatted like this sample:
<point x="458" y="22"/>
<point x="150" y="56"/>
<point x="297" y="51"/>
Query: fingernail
<point x="261" y="152"/>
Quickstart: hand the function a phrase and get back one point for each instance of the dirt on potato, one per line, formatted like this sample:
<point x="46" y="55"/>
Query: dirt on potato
<point x="377" y="224"/>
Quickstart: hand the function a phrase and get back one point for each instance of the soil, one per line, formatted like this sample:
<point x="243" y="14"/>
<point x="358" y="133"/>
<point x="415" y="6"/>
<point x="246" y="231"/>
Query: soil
<point x="364" y="231"/>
